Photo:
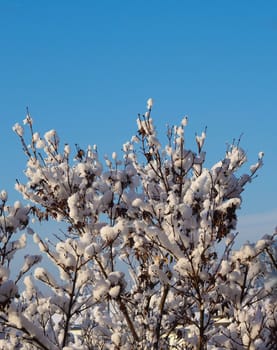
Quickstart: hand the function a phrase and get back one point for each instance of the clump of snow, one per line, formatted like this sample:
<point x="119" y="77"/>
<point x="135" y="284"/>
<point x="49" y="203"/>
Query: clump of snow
<point x="114" y="291"/>
<point x="149" y="103"/>
<point x="18" y="129"/>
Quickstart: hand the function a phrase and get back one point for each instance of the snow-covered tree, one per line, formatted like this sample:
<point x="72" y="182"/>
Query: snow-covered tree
<point x="145" y="258"/>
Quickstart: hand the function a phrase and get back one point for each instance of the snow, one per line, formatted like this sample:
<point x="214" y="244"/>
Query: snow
<point x="108" y="233"/>
<point x="149" y="103"/>
<point x="114" y="291"/>
<point x="3" y="196"/>
<point x="18" y="129"/>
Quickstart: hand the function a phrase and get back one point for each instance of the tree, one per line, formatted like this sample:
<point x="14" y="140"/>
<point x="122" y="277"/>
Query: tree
<point x="145" y="259"/>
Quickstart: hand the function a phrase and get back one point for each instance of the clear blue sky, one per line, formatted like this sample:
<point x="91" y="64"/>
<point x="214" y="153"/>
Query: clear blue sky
<point x="86" y="68"/>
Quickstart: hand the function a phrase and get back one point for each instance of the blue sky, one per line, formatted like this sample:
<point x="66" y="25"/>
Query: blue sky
<point x="86" y="68"/>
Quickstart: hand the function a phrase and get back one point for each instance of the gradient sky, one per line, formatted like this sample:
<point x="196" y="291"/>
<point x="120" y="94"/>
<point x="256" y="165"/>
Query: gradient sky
<point x="86" y="68"/>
